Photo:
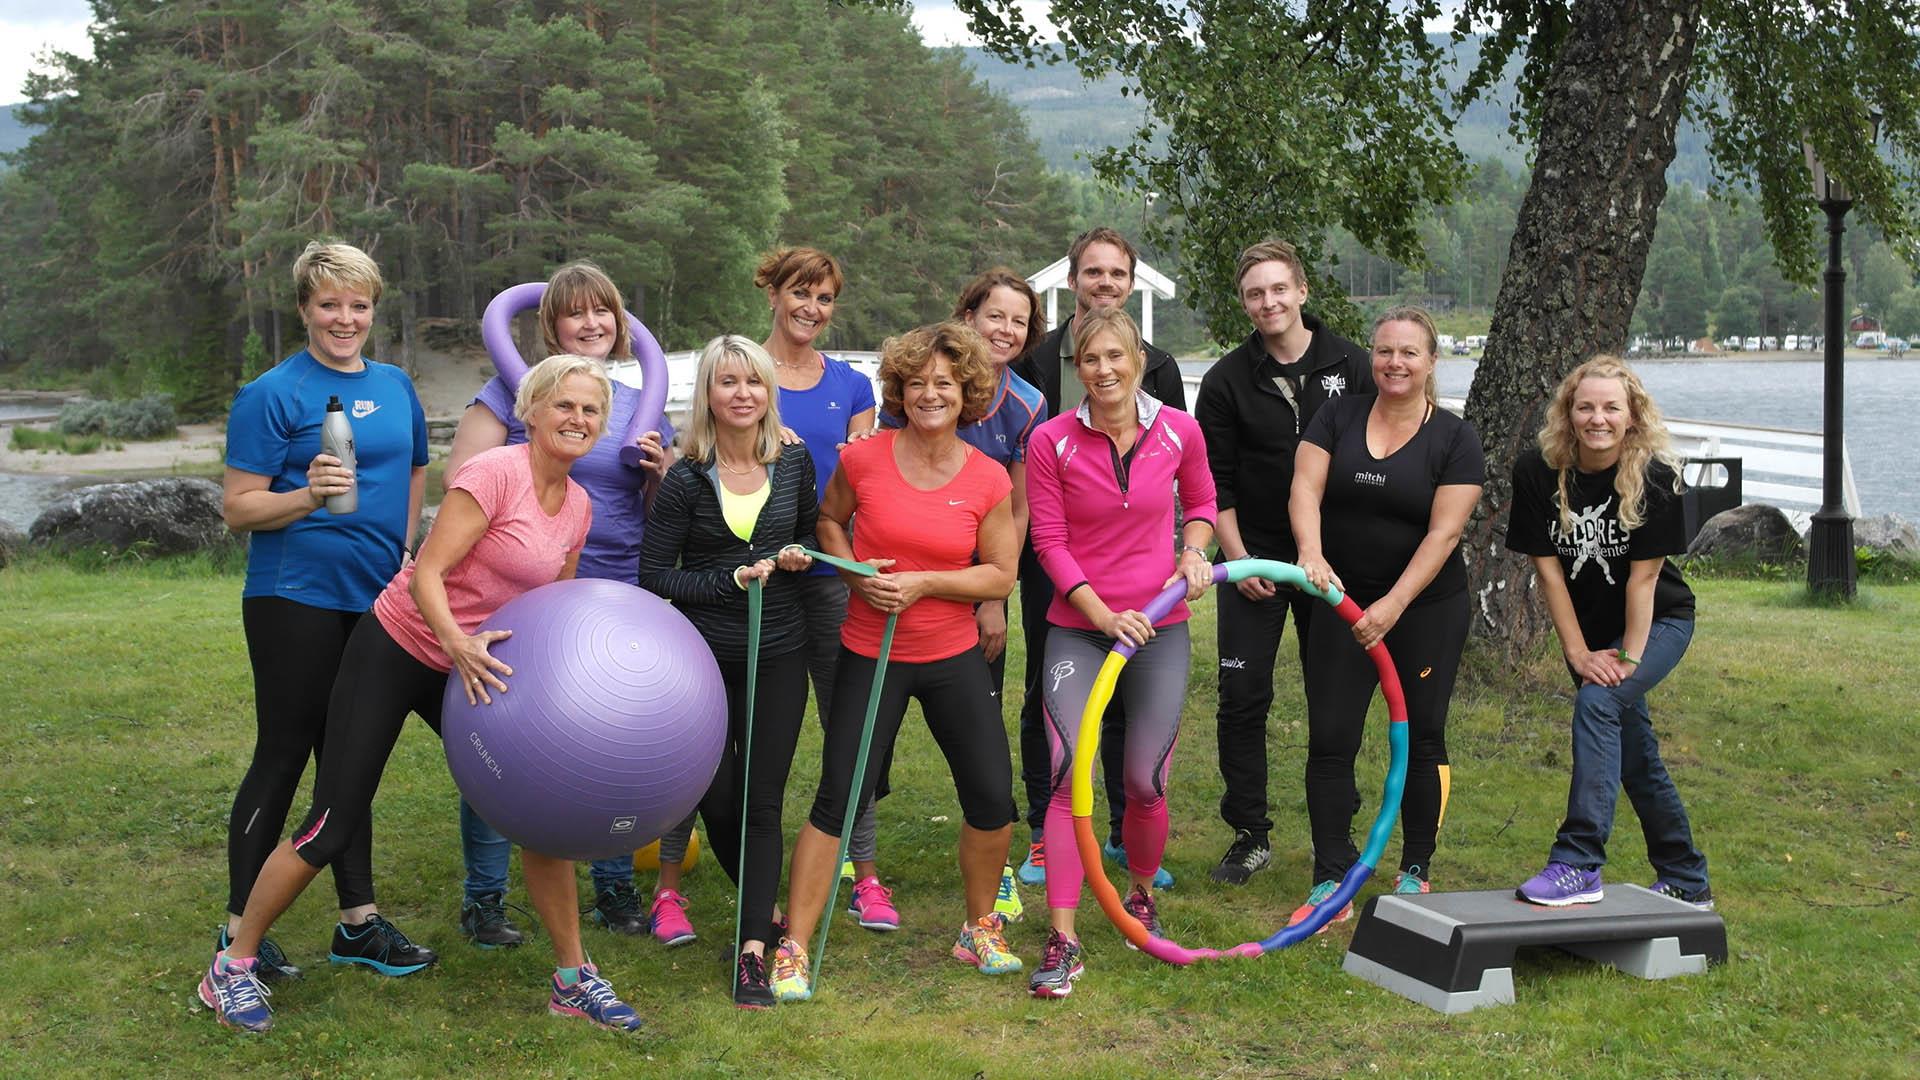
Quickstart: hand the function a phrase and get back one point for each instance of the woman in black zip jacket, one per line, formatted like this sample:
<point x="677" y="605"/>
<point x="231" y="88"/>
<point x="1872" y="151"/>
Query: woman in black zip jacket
<point x="740" y="506"/>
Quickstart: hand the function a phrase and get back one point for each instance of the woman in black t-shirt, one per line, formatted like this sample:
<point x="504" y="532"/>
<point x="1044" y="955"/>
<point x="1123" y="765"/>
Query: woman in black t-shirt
<point x="1382" y="487"/>
<point x="1596" y="508"/>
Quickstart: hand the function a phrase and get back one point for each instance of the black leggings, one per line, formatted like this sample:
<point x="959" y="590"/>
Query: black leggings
<point x="295" y="652"/>
<point x="1425" y="644"/>
<point x="379" y="684"/>
<point x="780" y="709"/>
<point x="956" y="694"/>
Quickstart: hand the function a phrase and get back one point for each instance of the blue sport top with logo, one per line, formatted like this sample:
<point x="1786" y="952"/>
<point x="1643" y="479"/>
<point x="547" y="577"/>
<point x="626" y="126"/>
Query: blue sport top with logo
<point x="335" y="562"/>
<point x="1018" y="407"/>
<point x="819" y="415"/>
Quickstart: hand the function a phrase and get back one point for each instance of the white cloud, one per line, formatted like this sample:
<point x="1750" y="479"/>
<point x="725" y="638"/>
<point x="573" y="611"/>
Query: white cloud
<point x="940" y="24"/>
<point x="28" y="30"/>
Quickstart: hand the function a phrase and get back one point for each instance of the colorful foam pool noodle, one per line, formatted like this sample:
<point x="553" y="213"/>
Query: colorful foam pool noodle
<point x="496" y="330"/>
<point x="1087" y="751"/>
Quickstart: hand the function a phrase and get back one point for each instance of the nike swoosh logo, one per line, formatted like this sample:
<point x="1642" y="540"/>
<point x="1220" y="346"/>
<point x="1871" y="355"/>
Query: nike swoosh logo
<point x="364" y="409"/>
<point x="956" y="502"/>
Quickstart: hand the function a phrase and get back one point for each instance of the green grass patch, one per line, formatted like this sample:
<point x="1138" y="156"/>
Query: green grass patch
<point x="126" y="723"/>
<point x="26" y="438"/>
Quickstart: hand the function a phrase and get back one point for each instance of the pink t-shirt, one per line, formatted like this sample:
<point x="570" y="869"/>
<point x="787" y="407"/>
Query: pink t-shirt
<point x="522" y="549"/>
<point x="919" y="530"/>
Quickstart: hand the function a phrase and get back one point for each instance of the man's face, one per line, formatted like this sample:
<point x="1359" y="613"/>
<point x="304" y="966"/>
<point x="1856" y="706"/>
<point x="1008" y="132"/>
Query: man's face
<point x="1271" y="297"/>
<point x="1103" y="279"/>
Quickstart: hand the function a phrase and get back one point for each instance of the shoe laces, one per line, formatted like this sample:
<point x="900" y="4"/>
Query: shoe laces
<point x="664" y="896"/>
<point x="270" y="954"/>
<point x="243" y="990"/>
<point x="1037" y="854"/>
<point x="1244" y="851"/>
<point x="1140" y="905"/>
<point x="869" y="889"/>
<point x="597" y="991"/>
<point x="622" y="899"/>
<point x="389" y="933"/>
<point x="1007" y="889"/>
<point x="1319" y="894"/>
<point x="789" y="961"/>
<point x="1055" y="954"/>
<point x="1565" y="875"/>
<point x="752" y="969"/>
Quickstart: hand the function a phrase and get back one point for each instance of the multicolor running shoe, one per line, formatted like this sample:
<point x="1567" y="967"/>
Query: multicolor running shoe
<point x="235" y="993"/>
<point x="1139" y="904"/>
<point x="1317" y="896"/>
<point x="792" y="974"/>
<point x="1060" y="964"/>
<point x="670" y="923"/>
<point x="1410" y="883"/>
<point x="1007" y="900"/>
<point x="983" y="943"/>
<point x="872" y="904"/>
<point x="592" y="998"/>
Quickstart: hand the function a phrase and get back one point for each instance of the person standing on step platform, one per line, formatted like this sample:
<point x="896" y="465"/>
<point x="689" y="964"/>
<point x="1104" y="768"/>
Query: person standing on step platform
<point x="1597" y="507"/>
<point x="1253" y="405"/>
<point x="1382" y="488"/>
<point x="1100" y="266"/>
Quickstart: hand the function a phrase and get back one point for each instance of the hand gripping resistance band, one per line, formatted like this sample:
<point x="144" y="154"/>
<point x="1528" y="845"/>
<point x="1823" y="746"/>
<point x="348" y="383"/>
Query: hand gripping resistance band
<point x="1087" y="751"/>
<point x="496" y="330"/>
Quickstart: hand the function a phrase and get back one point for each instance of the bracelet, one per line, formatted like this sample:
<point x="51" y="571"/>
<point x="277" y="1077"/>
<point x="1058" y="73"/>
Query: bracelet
<point x="1202" y="552"/>
<point x="1627" y="659"/>
<point x="736" y="578"/>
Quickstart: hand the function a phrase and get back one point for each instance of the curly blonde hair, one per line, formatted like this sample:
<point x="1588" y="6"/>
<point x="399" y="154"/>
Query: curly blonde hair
<point x="907" y="355"/>
<point x="1645" y="441"/>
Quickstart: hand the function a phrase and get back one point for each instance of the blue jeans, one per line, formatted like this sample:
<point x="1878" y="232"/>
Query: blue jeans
<point x="1613" y="747"/>
<point x="488" y="854"/>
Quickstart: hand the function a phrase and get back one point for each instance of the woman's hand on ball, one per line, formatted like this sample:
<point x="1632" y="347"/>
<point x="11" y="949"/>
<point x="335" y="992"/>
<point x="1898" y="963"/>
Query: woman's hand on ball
<point x="477" y="669"/>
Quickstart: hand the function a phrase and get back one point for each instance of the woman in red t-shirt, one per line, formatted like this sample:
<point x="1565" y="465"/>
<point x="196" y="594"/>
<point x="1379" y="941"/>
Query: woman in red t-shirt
<point x="934" y="515"/>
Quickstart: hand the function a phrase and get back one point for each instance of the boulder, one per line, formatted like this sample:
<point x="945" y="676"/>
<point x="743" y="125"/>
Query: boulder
<point x="165" y="516"/>
<point x="1889" y="534"/>
<point x="12" y="540"/>
<point x="1753" y="531"/>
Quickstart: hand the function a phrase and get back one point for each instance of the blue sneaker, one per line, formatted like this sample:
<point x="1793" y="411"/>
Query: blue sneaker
<point x="380" y="945"/>
<point x="1034" y="870"/>
<point x="1117" y="853"/>
<point x="1560" y="885"/>
<point x="235" y="994"/>
<point x="592" y="998"/>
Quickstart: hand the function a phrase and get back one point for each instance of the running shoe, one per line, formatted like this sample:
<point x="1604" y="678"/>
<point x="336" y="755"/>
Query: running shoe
<point x="1116" y="853"/>
<point x="1315" y="898"/>
<point x="872" y="903"/>
<point x="618" y="909"/>
<point x="483" y="919"/>
<point x="671" y="926"/>
<point x="1007" y="900"/>
<point x="1034" y="870"/>
<point x="1139" y="904"/>
<point x="983" y="943"/>
<point x="1246" y="856"/>
<point x="380" y="945"/>
<point x="273" y="963"/>
<point x="1561" y="885"/>
<point x="592" y="998"/>
<point x="1702" y="899"/>
<point x="847" y="872"/>
<point x="1410" y="883"/>
<point x="1060" y="964"/>
<point x="751" y="990"/>
<point x="792" y="974"/>
<point x="234" y="992"/>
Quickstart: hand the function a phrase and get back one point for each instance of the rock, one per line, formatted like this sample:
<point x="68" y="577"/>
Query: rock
<point x="1887" y="533"/>
<point x="1753" y="531"/>
<point x="12" y="541"/>
<point x="166" y="516"/>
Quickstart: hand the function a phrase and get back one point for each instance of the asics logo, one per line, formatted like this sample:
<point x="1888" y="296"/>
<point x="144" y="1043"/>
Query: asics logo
<point x="1061" y="672"/>
<point x="364" y="409"/>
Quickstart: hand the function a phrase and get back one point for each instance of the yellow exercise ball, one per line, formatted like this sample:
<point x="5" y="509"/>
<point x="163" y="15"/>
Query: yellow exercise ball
<point x="648" y="858"/>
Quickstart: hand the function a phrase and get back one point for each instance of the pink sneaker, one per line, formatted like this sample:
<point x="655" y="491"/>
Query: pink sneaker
<point x="670" y="923"/>
<point x="873" y="903"/>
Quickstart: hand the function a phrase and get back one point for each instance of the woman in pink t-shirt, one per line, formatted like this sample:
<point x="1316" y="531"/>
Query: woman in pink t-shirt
<point x="512" y="520"/>
<point x="934" y="516"/>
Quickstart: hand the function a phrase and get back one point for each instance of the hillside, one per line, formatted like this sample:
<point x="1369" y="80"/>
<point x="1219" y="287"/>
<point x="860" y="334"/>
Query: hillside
<point x="13" y="134"/>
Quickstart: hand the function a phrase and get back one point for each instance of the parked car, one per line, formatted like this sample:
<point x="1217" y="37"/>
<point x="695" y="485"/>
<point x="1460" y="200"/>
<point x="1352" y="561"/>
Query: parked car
<point x="1871" y="339"/>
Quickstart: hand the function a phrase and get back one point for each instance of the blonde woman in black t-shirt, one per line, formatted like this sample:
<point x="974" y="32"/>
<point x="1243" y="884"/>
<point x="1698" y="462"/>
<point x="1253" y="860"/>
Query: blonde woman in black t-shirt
<point x="1597" y="508"/>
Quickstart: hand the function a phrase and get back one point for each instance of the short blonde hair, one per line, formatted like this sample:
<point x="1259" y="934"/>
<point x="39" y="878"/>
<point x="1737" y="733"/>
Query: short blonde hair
<point x="1117" y="322"/>
<point x="577" y="284"/>
<point x="903" y="357"/>
<point x="330" y="262"/>
<point x="702" y="433"/>
<point x="544" y="381"/>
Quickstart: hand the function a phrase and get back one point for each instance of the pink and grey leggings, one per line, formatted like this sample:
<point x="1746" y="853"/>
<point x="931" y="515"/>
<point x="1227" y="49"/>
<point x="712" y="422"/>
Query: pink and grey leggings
<point x="1153" y="687"/>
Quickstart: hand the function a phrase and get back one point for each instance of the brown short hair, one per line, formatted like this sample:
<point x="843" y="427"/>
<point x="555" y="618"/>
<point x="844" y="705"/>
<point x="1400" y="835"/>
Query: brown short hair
<point x="1001" y="277"/>
<point x="1100" y="234"/>
<point x="1270" y="250"/>
<point x="570" y="287"/>
<point x="908" y="354"/>
<point x="798" y="266"/>
<point x="330" y="262"/>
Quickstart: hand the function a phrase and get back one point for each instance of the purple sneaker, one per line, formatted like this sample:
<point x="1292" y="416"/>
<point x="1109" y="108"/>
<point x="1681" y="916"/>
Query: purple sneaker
<point x="233" y="990"/>
<point x="1560" y="885"/>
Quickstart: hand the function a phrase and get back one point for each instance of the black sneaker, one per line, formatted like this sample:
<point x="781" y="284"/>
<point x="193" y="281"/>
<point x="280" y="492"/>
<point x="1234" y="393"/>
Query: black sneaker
<point x="379" y="945"/>
<point x="750" y="987"/>
<point x="1247" y="855"/>
<point x="273" y="963"/>
<point x="618" y="909"/>
<point x="484" y="919"/>
<point x="1702" y="900"/>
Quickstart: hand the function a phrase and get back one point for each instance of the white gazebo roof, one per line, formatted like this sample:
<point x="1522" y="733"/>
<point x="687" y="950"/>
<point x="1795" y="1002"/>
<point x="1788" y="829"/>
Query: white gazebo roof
<point x="1047" y="280"/>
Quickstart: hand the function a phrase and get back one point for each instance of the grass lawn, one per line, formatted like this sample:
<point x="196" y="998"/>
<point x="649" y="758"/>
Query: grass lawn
<point x="126" y="722"/>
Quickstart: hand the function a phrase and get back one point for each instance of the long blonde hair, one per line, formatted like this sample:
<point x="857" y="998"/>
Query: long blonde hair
<point x="1645" y="441"/>
<point x="702" y="433"/>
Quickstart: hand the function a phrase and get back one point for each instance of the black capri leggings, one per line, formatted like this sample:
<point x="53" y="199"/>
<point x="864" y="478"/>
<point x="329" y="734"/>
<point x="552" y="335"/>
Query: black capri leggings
<point x="956" y="694"/>
<point x="378" y="685"/>
<point x="1425" y="645"/>
<point x="295" y="652"/>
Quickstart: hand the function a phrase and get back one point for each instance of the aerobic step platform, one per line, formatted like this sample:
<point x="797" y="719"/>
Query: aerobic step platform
<point x="1453" y="952"/>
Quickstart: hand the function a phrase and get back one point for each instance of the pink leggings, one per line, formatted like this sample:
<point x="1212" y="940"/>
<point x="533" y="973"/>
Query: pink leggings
<point x="1154" y="686"/>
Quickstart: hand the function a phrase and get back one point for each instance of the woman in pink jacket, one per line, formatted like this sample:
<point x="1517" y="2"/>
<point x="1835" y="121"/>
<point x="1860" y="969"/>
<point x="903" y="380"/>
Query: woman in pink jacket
<point x="1101" y="487"/>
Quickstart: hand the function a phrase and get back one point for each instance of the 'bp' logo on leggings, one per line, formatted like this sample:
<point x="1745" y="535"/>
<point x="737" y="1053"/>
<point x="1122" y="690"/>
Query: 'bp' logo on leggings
<point x="1061" y="672"/>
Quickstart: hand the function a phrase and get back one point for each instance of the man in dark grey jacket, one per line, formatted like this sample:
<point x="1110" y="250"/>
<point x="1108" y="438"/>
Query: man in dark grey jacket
<point x="1253" y="405"/>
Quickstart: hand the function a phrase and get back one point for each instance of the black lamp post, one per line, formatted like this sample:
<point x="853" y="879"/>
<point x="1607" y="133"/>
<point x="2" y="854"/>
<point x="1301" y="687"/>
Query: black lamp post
<point x="1830" y="563"/>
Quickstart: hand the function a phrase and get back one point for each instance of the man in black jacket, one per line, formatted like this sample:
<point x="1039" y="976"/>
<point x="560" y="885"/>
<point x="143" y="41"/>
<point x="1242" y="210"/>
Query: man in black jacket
<point x="1253" y="405"/>
<point x="1100" y="267"/>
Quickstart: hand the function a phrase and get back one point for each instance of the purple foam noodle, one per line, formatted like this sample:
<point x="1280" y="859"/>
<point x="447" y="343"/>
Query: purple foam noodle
<point x="1158" y="607"/>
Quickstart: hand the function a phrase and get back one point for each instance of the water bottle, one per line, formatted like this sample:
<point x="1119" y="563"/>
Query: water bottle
<point x="336" y="438"/>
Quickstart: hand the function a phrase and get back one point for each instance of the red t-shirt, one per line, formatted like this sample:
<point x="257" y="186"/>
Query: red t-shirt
<point x="522" y="549"/>
<point x="919" y="530"/>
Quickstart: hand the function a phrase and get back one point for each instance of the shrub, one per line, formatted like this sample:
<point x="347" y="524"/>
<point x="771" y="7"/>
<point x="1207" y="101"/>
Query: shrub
<point x="149" y="417"/>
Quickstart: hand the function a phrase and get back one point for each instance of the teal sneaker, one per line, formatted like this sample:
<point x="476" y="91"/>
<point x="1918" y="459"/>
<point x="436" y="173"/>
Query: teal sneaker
<point x="1116" y="853"/>
<point x="1315" y="898"/>
<point x="1410" y="883"/>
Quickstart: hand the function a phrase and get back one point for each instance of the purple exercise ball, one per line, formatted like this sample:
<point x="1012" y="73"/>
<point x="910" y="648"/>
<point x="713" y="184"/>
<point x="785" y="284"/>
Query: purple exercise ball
<point x="611" y="727"/>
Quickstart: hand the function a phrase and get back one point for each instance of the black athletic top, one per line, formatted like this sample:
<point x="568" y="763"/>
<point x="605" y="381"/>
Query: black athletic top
<point x="1595" y="556"/>
<point x="1375" y="511"/>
